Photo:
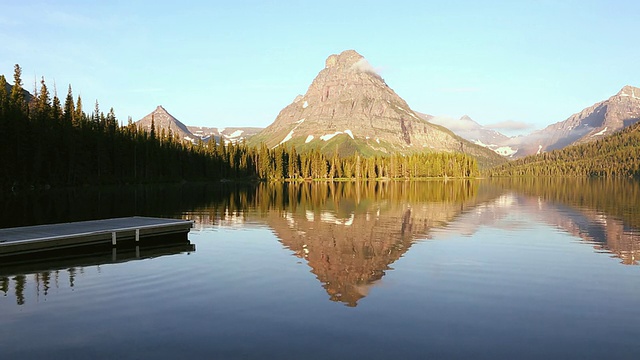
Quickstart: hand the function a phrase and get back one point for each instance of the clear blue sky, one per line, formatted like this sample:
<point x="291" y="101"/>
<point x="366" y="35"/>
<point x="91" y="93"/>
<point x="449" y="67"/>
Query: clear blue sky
<point x="238" y="63"/>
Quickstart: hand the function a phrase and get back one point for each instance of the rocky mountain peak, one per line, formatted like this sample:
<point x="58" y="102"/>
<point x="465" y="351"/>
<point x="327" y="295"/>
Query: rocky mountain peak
<point x="344" y="60"/>
<point x="348" y="108"/>
<point x="629" y="91"/>
<point x="163" y="120"/>
<point x="594" y="122"/>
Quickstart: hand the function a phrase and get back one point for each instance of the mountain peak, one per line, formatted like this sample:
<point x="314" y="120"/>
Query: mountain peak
<point x="629" y="90"/>
<point x="349" y="109"/>
<point x="163" y="120"/>
<point x="345" y="59"/>
<point x="466" y="118"/>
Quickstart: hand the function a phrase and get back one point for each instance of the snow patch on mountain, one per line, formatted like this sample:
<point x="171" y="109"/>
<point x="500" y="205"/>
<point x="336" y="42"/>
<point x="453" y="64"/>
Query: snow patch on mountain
<point x="505" y="150"/>
<point x="348" y="132"/>
<point x="235" y="134"/>
<point x="287" y="138"/>
<point x="327" y="137"/>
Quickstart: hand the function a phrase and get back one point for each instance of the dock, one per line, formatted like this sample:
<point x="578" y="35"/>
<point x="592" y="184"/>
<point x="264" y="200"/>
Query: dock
<point x="30" y="239"/>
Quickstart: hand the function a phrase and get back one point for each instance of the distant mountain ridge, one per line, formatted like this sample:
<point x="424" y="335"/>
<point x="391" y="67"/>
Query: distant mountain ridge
<point x="163" y="120"/>
<point x="594" y="122"/>
<point x="467" y="128"/>
<point x="350" y="109"/>
<point x="615" y="155"/>
<point x="597" y="121"/>
<point x="226" y="134"/>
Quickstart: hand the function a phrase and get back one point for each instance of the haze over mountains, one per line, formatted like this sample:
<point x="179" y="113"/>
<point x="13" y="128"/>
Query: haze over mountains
<point x="474" y="132"/>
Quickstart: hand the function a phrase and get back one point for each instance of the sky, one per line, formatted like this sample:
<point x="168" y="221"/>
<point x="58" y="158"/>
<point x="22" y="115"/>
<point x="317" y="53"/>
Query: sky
<point x="515" y="66"/>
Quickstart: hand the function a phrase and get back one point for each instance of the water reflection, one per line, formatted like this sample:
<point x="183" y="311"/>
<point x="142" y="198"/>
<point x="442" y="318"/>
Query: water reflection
<point x="54" y="266"/>
<point x="350" y="233"/>
<point x="603" y="212"/>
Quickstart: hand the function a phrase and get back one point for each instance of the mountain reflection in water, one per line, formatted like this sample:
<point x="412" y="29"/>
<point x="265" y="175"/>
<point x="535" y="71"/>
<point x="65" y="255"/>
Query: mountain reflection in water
<point x="350" y="233"/>
<point x="491" y="269"/>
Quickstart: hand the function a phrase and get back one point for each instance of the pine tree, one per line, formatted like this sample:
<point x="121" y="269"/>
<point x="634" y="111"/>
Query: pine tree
<point x="69" y="108"/>
<point x="79" y="116"/>
<point x="56" y="107"/>
<point x="17" y="96"/>
<point x="152" y="132"/>
<point x="43" y="102"/>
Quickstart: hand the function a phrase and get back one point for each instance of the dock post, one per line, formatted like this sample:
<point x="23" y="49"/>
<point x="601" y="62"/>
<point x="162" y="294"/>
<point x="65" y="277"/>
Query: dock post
<point x="137" y="235"/>
<point x="113" y="238"/>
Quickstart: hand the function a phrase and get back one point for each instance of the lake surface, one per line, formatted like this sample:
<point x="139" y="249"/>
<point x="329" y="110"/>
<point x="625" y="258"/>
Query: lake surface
<point x="507" y="269"/>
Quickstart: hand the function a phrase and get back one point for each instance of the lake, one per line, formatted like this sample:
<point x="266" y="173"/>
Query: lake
<point x="486" y="269"/>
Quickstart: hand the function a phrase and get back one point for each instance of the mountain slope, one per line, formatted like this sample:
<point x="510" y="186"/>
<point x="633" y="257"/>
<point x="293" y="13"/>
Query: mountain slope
<point x="163" y="120"/>
<point x="616" y="155"/>
<point x="592" y="123"/>
<point x="350" y="109"/>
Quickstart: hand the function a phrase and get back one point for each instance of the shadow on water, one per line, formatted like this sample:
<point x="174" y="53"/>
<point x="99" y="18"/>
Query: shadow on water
<point x="91" y="203"/>
<point x="16" y="271"/>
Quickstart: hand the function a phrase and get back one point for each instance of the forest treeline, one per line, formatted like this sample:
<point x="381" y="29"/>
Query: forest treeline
<point x="47" y="142"/>
<point x="617" y="155"/>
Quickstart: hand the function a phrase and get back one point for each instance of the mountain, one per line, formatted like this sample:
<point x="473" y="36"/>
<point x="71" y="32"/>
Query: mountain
<point x="467" y="128"/>
<point x="163" y="120"/>
<point x="615" y="155"/>
<point x="350" y="109"/>
<point x="229" y="134"/>
<point x="601" y="119"/>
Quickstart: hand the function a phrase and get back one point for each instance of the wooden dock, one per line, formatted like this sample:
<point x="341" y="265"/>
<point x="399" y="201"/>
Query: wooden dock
<point x="27" y="239"/>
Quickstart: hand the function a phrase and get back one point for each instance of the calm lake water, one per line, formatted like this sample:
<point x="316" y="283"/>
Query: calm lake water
<point x="509" y="269"/>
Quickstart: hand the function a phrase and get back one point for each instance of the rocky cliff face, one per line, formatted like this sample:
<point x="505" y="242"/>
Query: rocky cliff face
<point x="349" y="107"/>
<point x="163" y="120"/>
<point x="594" y="122"/>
